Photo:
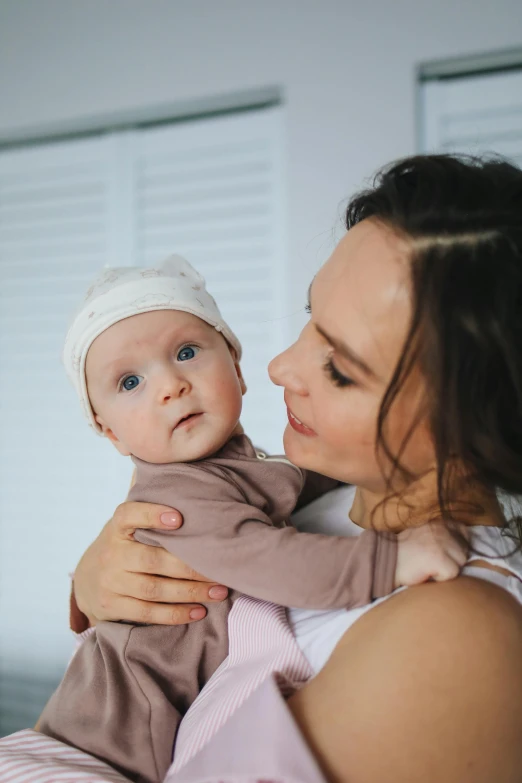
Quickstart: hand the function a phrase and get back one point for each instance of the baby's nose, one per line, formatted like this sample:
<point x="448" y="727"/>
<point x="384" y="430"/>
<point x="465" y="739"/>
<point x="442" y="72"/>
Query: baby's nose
<point x="172" y="388"/>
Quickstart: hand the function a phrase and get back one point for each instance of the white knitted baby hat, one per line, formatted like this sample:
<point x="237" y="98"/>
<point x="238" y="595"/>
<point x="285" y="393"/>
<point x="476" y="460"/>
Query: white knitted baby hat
<point x="121" y="292"/>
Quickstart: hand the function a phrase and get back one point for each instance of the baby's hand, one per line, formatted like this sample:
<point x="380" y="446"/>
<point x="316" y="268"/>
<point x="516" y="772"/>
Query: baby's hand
<point x="429" y="552"/>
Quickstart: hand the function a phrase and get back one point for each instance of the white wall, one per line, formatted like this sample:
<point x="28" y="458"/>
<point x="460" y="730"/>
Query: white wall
<point x="347" y="70"/>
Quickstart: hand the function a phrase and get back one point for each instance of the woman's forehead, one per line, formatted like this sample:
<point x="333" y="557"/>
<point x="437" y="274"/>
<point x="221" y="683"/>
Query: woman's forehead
<point x="363" y="293"/>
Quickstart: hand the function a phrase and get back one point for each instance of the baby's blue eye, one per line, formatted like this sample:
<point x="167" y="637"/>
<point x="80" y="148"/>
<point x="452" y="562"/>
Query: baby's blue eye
<point x="130" y="382"/>
<point x="187" y="353"/>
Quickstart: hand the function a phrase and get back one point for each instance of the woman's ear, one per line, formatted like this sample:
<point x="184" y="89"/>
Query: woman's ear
<point x="108" y="433"/>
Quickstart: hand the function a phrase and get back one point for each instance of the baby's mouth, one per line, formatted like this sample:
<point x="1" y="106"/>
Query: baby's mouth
<point x="186" y="420"/>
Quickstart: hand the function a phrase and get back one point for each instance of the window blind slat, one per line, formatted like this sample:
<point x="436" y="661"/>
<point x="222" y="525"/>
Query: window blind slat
<point x="474" y="114"/>
<point x="54" y="490"/>
<point x="210" y="190"/>
<point x="219" y="205"/>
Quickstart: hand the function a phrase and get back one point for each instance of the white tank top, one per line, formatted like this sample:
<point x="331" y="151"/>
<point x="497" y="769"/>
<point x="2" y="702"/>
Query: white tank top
<point x="317" y="633"/>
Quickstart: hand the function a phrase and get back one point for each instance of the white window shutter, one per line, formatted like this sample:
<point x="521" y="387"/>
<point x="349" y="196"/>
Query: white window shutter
<point x="209" y="189"/>
<point x="58" y="481"/>
<point x="474" y="114"/>
<point x="212" y="190"/>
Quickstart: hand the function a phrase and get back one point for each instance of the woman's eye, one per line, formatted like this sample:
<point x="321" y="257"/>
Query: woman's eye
<point x="130" y="382"/>
<point x="336" y="376"/>
<point x="308" y="308"/>
<point x="187" y="353"/>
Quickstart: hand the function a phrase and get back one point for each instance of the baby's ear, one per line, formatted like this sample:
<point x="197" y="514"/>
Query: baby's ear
<point x="242" y="383"/>
<point x="108" y="433"/>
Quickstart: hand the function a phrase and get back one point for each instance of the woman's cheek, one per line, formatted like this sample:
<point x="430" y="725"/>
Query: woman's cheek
<point x="352" y="429"/>
<point x="340" y="417"/>
<point x="419" y="454"/>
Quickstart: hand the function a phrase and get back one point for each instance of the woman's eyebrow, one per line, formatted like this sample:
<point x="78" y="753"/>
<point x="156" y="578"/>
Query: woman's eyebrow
<point x="347" y="352"/>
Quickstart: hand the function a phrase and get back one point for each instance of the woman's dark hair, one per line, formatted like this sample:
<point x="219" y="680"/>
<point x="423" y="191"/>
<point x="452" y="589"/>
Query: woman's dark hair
<point x="462" y="218"/>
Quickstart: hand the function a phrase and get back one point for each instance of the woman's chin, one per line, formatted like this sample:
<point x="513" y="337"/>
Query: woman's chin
<point x="295" y="450"/>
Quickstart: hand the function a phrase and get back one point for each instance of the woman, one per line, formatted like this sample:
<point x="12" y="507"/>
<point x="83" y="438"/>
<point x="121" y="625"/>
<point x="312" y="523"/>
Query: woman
<point x="407" y="383"/>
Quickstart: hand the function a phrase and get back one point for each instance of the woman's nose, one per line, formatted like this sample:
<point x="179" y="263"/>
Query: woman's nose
<point x="285" y="370"/>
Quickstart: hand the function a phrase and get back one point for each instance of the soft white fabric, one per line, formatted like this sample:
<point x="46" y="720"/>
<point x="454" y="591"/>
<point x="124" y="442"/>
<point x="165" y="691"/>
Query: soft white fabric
<point x="317" y="633"/>
<point x="121" y="292"/>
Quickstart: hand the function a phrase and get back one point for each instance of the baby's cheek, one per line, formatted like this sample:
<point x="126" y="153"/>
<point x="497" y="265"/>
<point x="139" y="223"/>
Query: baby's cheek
<point x="136" y="428"/>
<point x="227" y="394"/>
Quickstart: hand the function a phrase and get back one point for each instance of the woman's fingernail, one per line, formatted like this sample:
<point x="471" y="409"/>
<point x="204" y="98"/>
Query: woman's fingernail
<point x="197" y="614"/>
<point x="218" y="592"/>
<point x="170" y="520"/>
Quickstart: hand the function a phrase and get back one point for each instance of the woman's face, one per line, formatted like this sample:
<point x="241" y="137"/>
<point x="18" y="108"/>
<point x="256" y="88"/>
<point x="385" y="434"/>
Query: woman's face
<point x="337" y="372"/>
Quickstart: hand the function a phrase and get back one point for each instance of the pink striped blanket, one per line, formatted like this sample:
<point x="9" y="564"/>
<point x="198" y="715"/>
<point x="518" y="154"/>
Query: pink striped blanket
<point x="227" y="734"/>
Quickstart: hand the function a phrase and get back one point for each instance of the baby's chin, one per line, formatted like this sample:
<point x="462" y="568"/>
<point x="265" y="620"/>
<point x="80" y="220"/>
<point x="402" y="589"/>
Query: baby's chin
<point x="182" y="448"/>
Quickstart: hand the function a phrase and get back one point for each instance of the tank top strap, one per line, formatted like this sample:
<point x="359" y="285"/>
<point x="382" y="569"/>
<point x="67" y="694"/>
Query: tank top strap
<point x="496" y="546"/>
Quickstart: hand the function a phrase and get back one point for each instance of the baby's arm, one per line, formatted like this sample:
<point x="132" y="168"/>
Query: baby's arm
<point x="236" y="544"/>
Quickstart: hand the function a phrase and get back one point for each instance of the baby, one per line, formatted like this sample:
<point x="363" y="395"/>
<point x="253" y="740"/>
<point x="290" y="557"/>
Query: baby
<point x="157" y="372"/>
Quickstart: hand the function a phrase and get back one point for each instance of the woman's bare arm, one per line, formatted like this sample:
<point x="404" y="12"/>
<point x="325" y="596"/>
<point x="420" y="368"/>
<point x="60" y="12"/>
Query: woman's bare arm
<point x="427" y="686"/>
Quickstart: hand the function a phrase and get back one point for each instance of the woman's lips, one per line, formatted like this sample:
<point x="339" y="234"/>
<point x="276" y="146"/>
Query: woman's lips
<point x="298" y="425"/>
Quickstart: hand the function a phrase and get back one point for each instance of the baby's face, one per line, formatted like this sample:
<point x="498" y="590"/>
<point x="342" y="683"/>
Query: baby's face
<point x="164" y="386"/>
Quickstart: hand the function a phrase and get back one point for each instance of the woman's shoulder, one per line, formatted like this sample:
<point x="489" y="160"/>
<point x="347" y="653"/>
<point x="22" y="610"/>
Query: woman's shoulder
<point x="458" y="611"/>
<point x="486" y="597"/>
<point x="440" y="663"/>
<point x="465" y="617"/>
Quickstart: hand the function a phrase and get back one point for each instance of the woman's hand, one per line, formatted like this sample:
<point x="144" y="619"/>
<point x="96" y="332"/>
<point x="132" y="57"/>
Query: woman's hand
<point x="121" y="579"/>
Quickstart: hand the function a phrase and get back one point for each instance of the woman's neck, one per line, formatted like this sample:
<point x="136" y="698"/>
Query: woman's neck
<point x="419" y="504"/>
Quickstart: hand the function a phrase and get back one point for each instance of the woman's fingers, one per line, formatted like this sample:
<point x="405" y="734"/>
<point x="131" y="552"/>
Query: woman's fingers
<point x="119" y="578"/>
<point x="145" y="559"/>
<point x="133" y="610"/>
<point x="129" y="516"/>
<point x="157" y="589"/>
